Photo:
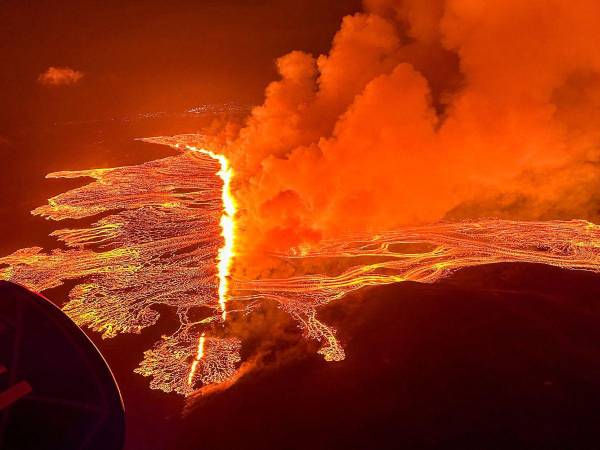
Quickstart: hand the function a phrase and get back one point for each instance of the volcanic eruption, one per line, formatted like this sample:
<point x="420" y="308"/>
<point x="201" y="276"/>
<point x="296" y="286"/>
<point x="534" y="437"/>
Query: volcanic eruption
<point x="433" y="136"/>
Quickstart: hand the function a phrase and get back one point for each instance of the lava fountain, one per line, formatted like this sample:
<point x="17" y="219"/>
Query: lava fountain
<point x="227" y="222"/>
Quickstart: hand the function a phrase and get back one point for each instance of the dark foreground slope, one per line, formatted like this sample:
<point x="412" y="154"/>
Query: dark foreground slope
<point x="496" y="357"/>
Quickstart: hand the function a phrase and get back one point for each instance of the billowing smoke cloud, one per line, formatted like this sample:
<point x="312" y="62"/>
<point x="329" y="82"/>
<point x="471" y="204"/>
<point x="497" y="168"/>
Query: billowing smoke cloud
<point x="425" y="110"/>
<point x="60" y="76"/>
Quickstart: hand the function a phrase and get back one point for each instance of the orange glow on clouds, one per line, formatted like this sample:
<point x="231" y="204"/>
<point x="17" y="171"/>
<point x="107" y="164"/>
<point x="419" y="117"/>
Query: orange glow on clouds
<point x="60" y="76"/>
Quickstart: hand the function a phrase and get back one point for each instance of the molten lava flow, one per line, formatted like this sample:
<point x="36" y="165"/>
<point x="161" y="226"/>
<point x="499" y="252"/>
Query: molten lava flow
<point x="165" y="222"/>
<point x="199" y="355"/>
<point x="422" y="254"/>
<point x="226" y="252"/>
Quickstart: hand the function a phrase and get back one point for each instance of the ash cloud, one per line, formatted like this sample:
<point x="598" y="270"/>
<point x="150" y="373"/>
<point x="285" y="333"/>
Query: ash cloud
<point x="423" y="111"/>
<point x="60" y="76"/>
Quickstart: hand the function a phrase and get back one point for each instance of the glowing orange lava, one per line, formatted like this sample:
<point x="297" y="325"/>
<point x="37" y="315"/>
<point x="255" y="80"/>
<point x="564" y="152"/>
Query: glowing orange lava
<point x="227" y="222"/>
<point x="161" y="225"/>
<point x="199" y="355"/>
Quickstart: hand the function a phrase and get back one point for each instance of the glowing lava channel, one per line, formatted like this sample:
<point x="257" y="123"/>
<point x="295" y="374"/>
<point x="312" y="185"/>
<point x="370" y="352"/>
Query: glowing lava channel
<point x="199" y="355"/>
<point x="226" y="252"/>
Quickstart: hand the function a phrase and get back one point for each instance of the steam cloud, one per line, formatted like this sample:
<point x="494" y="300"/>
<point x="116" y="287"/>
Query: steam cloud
<point x="423" y="111"/>
<point x="60" y="76"/>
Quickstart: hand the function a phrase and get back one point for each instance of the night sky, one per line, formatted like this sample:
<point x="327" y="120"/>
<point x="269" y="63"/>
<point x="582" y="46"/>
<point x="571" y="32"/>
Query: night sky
<point x="151" y="55"/>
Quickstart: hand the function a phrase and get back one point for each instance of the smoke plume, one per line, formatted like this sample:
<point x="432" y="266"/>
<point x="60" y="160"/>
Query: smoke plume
<point x="424" y="111"/>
